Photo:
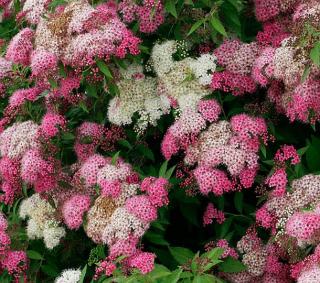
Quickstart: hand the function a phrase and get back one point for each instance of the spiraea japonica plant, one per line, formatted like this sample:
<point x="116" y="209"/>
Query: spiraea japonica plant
<point x="160" y="141"/>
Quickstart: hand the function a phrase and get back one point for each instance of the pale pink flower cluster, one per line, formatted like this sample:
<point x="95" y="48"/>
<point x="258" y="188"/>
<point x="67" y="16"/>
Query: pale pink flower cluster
<point x="119" y="216"/>
<point x="24" y="158"/>
<point x="263" y="262"/>
<point x="233" y="144"/>
<point x="79" y="33"/>
<point x="276" y="61"/>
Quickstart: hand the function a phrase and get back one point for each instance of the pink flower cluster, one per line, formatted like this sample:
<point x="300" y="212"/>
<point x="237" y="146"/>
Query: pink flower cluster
<point x="150" y="14"/>
<point x="212" y="213"/>
<point x="237" y="58"/>
<point x="186" y="129"/>
<point x="15" y="262"/>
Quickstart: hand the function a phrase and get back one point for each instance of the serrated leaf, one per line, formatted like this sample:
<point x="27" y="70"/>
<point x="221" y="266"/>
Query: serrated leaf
<point x="218" y="26"/>
<point x="180" y="254"/>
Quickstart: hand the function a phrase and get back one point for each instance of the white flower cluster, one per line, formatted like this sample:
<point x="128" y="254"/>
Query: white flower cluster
<point x="69" y="276"/>
<point x="42" y="222"/>
<point x="17" y="139"/>
<point x="162" y="57"/>
<point x="203" y="67"/>
<point x="5" y="67"/>
<point x="137" y="96"/>
<point x="121" y="225"/>
<point x="184" y="81"/>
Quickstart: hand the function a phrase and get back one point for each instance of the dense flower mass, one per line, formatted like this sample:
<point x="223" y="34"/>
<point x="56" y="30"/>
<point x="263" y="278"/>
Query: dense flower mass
<point x="160" y="141"/>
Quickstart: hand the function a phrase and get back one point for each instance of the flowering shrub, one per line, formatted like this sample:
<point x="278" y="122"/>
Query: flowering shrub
<point x="160" y="141"/>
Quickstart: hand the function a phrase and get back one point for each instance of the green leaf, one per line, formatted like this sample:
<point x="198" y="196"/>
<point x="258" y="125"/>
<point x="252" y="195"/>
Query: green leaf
<point x="238" y="201"/>
<point x="195" y="26"/>
<point x="68" y="136"/>
<point x="91" y="91"/>
<point x="313" y="155"/>
<point x="306" y="73"/>
<point x="115" y="158"/>
<point x="189" y="211"/>
<point x="218" y="26"/>
<point x="159" y="271"/>
<point x="213" y="254"/>
<point x="231" y="265"/>
<point x="180" y="254"/>
<point x="211" y="264"/>
<point x="174" y="277"/>
<point x="125" y="143"/>
<point x="315" y="54"/>
<point x="83" y="106"/>
<point x="156" y="238"/>
<point x="50" y="270"/>
<point x="104" y="68"/>
<point x="225" y="227"/>
<point x="263" y="150"/>
<point x="170" y="172"/>
<point x="171" y="8"/>
<point x="53" y="83"/>
<point x="194" y="263"/>
<point x="113" y="89"/>
<point x="83" y="274"/>
<point x="145" y="151"/>
<point x="34" y="255"/>
<point x="303" y="150"/>
<point x="205" y="278"/>
<point x="163" y="169"/>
